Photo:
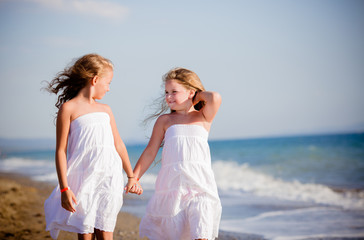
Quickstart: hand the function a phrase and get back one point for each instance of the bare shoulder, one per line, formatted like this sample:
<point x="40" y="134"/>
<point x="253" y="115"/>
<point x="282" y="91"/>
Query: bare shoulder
<point x="105" y="108"/>
<point x="163" y="121"/>
<point x="68" y="105"/>
<point x="67" y="109"/>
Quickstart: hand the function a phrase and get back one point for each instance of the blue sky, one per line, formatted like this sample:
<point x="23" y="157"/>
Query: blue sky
<point x="282" y="67"/>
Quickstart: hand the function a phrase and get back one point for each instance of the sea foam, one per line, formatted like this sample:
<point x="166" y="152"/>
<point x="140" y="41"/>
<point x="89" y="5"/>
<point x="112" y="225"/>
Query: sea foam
<point x="230" y="176"/>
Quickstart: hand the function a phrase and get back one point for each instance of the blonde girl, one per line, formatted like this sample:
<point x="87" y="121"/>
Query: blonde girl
<point x="90" y="154"/>
<point x="185" y="204"/>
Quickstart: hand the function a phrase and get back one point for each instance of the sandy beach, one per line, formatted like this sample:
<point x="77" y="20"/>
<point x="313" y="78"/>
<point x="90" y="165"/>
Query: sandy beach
<point x="22" y="213"/>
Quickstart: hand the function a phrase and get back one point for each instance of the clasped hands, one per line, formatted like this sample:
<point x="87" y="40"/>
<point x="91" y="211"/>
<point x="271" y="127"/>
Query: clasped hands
<point x="133" y="186"/>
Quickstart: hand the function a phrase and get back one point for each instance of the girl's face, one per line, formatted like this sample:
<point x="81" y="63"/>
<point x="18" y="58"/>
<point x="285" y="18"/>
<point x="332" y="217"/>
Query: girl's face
<point x="178" y="97"/>
<point x="102" y="85"/>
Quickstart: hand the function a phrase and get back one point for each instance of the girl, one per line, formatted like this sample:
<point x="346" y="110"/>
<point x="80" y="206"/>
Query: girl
<point x="186" y="204"/>
<point x="89" y="195"/>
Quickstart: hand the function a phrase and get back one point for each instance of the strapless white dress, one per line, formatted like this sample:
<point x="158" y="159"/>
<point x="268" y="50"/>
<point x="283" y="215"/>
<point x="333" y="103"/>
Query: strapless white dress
<point x="186" y="204"/>
<point x="94" y="173"/>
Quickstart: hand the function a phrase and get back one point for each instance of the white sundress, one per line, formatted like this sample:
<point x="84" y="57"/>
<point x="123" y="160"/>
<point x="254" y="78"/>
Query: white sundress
<point x="94" y="174"/>
<point x="185" y="204"/>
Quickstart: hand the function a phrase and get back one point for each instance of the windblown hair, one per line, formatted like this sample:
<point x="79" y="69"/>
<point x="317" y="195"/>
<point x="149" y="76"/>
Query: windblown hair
<point x="188" y="79"/>
<point x="68" y="83"/>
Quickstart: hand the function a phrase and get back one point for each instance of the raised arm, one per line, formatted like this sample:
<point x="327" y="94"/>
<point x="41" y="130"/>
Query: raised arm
<point x="150" y="152"/>
<point x="212" y="102"/>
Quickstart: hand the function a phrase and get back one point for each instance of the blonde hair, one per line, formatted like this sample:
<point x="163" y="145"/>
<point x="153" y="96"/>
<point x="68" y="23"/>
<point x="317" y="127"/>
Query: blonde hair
<point x="73" y="78"/>
<point x="185" y="77"/>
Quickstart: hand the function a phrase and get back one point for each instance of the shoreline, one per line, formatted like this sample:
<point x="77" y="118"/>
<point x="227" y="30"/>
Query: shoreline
<point x="22" y="213"/>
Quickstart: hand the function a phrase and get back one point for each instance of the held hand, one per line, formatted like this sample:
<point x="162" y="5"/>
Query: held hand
<point x="67" y="197"/>
<point x="131" y="182"/>
<point x="137" y="189"/>
<point x="133" y="186"/>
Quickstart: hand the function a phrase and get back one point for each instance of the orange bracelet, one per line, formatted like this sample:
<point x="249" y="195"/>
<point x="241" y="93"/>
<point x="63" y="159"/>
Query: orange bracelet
<point x="64" y="189"/>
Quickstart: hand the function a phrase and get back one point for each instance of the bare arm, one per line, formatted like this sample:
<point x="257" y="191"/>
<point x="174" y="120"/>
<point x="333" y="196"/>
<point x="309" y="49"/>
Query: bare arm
<point x="63" y="126"/>
<point x="152" y="148"/>
<point x="123" y="153"/>
<point x="212" y="104"/>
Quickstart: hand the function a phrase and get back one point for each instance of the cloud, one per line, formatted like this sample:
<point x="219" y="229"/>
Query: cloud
<point x="105" y="9"/>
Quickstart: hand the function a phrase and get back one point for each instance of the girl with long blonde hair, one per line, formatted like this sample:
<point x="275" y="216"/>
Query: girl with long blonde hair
<point x="186" y="203"/>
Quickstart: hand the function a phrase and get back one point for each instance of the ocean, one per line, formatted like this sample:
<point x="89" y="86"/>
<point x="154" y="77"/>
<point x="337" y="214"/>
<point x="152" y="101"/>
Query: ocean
<point x="304" y="187"/>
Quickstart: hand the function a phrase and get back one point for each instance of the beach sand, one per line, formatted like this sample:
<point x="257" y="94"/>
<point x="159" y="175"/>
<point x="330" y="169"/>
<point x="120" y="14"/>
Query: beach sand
<point x="22" y="213"/>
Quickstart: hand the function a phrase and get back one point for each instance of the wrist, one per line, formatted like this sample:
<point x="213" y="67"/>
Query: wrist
<point x="131" y="177"/>
<point x="134" y="177"/>
<point x="65" y="189"/>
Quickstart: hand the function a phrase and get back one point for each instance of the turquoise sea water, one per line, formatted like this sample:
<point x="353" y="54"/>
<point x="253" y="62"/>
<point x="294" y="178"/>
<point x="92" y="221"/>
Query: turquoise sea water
<point x="281" y="188"/>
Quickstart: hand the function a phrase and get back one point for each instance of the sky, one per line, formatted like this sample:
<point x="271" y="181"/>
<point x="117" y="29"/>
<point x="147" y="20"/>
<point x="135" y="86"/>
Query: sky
<point x="282" y="67"/>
